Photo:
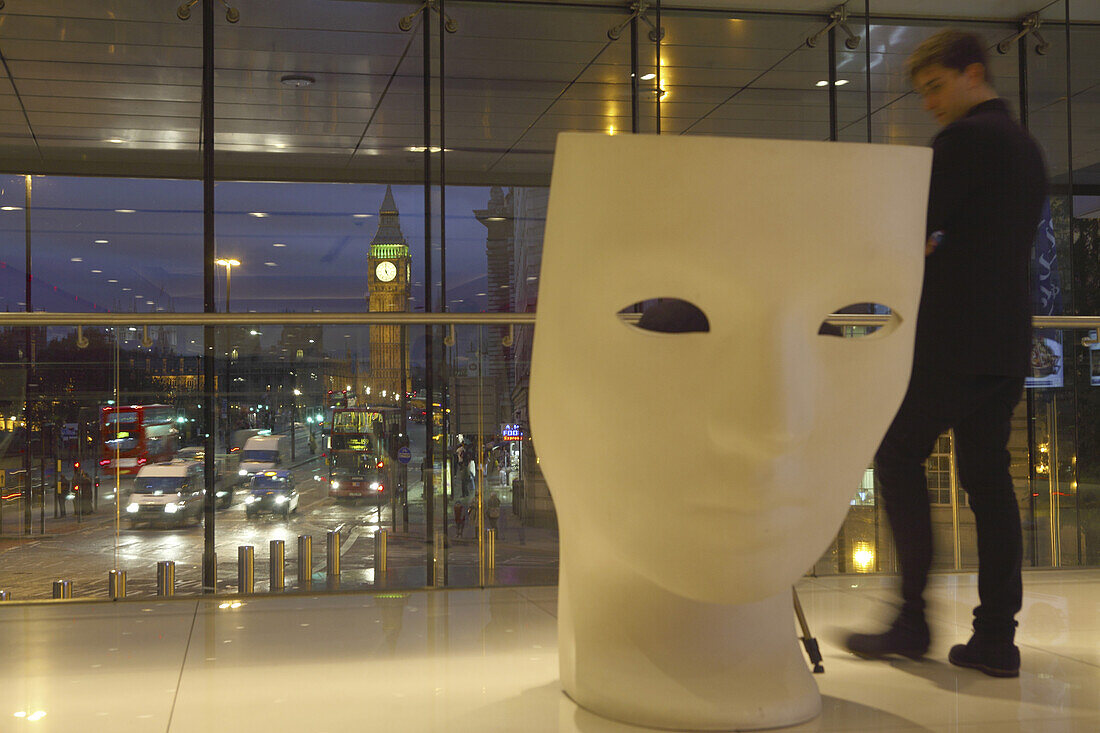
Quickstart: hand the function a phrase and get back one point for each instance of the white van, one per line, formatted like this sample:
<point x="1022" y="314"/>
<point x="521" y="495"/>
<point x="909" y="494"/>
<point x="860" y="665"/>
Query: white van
<point x="264" y="453"/>
<point x="167" y="493"/>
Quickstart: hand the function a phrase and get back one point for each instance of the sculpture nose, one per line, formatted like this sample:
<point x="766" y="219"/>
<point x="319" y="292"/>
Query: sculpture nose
<point x="767" y="387"/>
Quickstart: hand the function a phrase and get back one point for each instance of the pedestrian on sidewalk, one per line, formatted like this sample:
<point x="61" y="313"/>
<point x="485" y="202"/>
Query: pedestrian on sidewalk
<point x="971" y="352"/>
<point x="492" y="510"/>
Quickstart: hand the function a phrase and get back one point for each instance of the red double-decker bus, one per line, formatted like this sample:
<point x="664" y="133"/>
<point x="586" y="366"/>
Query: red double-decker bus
<point x="133" y="435"/>
<point x="360" y="446"/>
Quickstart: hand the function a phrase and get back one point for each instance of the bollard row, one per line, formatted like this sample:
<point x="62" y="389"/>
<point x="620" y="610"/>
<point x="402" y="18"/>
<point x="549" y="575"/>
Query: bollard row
<point x="246" y="565"/>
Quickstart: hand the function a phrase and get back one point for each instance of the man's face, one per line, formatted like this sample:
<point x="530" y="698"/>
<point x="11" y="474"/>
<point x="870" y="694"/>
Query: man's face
<point x="948" y="94"/>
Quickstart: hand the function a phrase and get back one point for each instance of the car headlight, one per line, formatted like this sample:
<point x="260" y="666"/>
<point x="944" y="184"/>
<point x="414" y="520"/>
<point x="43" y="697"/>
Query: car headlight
<point x="170" y="508"/>
<point x="132" y="508"/>
<point x="375" y="486"/>
<point x="250" y="500"/>
<point x="281" y="500"/>
<point x="335" y="484"/>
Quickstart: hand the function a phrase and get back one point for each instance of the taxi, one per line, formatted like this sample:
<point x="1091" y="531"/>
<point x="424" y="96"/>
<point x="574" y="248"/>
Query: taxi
<point x="271" y="492"/>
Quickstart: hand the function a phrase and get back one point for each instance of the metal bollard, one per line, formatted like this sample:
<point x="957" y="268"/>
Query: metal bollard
<point x="305" y="561"/>
<point x="490" y="548"/>
<point x="440" y="562"/>
<point x="63" y="589"/>
<point x="116" y="584"/>
<point x="278" y="565"/>
<point x="332" y="556"/>
<point x="166" y="578"/>
<point x="5" y="595"/>
<point x="380" y="551"/>
<point x="246" y="569"/>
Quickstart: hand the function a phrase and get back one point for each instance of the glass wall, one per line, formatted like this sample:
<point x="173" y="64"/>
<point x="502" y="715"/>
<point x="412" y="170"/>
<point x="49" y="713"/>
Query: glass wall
<point x="368" y="164"/>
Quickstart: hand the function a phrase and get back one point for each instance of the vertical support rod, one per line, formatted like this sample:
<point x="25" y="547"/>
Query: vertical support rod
<point x="953" y="485"/>
<point x="834" y="131"/>
<point x="1021" y="49"/>
<point x="166" y="578"/>
<point x="30" y="371"/>
<point x="443" y="270"/>
<point x="429" y="452"/>
<point x="63" y="589"/>
<point x="634" y="101"/>
<point x="305" y="561"/>
<point x="657" y="87"/>
<point x="867" y="82"/>
<point x="116" y="584"/>
<point x="209" y="557"/>
<point x="5" y="595"/>
<point x="277" y="572"/>
<point x="246" y="569"/>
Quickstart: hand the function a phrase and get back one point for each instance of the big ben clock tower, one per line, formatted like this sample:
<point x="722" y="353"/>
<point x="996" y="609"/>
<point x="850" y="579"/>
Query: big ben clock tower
<point x="389" y="269"/>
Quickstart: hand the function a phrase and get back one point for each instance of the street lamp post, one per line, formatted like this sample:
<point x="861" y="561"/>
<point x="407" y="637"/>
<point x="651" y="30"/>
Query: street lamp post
<point x="228" y="264"/>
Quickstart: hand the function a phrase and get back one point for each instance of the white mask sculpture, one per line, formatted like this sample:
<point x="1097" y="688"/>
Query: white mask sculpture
<point x="698" y="475"/>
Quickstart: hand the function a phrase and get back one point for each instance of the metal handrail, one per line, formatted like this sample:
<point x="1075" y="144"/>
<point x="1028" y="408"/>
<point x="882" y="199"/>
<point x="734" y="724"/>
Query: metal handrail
<point x="40" y="319"/>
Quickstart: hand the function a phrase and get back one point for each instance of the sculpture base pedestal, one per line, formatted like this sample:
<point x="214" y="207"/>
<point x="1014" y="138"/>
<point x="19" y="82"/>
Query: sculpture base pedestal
<point x="635" y="653"/>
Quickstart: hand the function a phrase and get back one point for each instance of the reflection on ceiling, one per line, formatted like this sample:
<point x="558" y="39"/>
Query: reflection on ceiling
<point x="114" y="87"/>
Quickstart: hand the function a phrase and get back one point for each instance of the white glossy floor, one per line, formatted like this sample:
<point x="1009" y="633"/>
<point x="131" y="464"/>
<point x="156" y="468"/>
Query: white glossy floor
<point x="486" y="661"/>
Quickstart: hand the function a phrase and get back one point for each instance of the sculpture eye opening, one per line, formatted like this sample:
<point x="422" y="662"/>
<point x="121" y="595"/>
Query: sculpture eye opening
<point x="666" y="315"/>
<point x="885" y="320"/>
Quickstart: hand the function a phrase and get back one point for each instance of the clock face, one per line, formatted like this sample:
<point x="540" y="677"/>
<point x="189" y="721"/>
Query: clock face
<point x="385" y="271"/>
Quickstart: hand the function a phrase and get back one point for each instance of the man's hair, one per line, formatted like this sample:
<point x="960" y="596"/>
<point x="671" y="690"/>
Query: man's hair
<point x="951" y="49"/>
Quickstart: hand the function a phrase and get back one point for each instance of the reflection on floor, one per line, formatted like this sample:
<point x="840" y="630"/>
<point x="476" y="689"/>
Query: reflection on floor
<point x="486" y="660"/>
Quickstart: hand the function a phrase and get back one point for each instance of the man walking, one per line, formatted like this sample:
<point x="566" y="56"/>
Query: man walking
<point x="973" y="338"/>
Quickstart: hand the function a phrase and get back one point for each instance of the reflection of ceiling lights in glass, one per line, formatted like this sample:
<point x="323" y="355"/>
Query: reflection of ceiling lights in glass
<point x="272" y="264"/>
<point x="125" y="289"/>
<point x="258" y="214"/>
<point x="825" y="82"/>
<point x="421" y="149"/>
<point x="97" y="272"/>
<point x="841" y="82"/>
<point x="360" y="216"/>
<point x="101" y="241"/>
<point x="125" y="211"/>
<point x="298" y="81"/>
<point x="116" y="140"/>
<point x="494" y="218"/>
<point x="278" y="244"/>
<point x="647" y="77"/>
<point x="76" y="259"/>
<point x="11" y="208"/>
<point x="112" y="281"/>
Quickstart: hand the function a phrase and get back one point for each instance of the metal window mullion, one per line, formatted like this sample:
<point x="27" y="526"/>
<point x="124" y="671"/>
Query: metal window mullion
<point x="209" y="564"/>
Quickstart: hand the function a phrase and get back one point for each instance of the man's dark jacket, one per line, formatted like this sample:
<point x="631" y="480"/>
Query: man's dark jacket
<point x="988" y="187"/>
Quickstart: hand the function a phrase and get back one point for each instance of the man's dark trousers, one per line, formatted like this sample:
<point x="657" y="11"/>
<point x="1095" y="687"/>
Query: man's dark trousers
<point x="979" y="409"/>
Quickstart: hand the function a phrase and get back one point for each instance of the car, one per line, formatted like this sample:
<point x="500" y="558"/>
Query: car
<point x="271" y="491"/>
<point x="223" y="480"/>
<point x="167" y="493"/>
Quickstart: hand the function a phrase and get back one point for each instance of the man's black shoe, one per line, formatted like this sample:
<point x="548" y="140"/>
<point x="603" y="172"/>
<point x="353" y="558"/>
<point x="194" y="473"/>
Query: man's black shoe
<point x="906" y="637"/>
<point x="995" y="658"/>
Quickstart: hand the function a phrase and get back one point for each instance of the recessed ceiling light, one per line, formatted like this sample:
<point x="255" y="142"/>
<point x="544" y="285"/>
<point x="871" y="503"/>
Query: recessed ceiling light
<point x="258" y="214"/>
<point x="116" y="140"/>
<point x="823" y="83"/>
<point x="421" y="149"/>
<point x="125" y="211"/>
<point x="841" y="82"/>
<point x="101" y="241"/>
<point x="360" y="216"/>
<point x="278" y="244"/>
<point x="298" y="81"/>
<point x="97" y="272"/>
<point x="11" y="208"/>
<point x="112" y="281"/>
<point x="272" y="264"/>
<point x="647" y="77"/>
<point x="76" y="259"/>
